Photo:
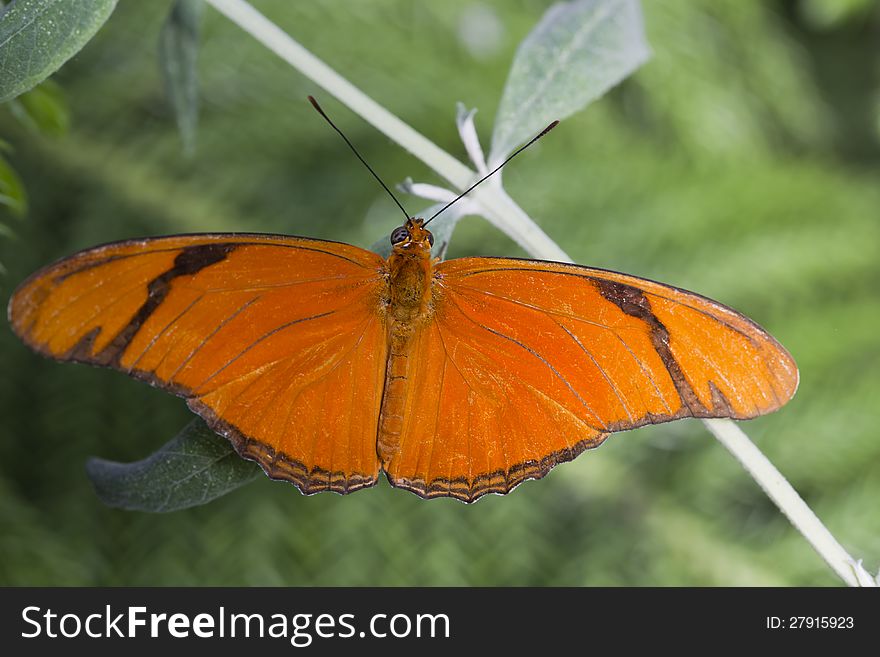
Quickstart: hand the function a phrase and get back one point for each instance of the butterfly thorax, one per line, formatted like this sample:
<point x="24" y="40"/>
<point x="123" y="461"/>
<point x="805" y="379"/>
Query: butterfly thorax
<point x="409" y="274"/>
<point x="409" y="305"/>
<point x="409" y="288"/>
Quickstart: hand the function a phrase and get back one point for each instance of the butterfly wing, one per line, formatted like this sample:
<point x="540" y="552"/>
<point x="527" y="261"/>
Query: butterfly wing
<point x="526" y="363"/>
<point x="278" y="342"/>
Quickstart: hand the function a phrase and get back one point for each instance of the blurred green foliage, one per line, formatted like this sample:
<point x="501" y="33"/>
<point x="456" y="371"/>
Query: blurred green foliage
<point x="741" y="162"/>
<point x="12" y="194"/>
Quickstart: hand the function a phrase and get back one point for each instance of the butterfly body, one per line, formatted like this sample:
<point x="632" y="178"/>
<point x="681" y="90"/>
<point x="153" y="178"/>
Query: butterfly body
<point x="328" y="364"/>
<point x="410" y="304"/>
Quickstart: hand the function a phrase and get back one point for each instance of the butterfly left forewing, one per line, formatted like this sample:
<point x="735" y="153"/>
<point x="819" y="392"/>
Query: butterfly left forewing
<point x="532" y="362"/>
<point x="706" y="359"/>
<point x="278" y="342"/>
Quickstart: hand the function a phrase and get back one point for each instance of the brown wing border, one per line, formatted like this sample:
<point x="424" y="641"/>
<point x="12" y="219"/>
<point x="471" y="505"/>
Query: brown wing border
<point x="498" y="482"/>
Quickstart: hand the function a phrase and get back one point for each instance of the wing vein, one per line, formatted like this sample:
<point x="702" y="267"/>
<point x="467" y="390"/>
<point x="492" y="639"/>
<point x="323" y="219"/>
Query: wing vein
<point x="164" y="330"/>
<point x="94" y="316"/>
<point x="336" y="365"/>
<point x="216" y="330"/>
<point x="89" y="290"/>
<point x="636" y="283"/>
<point x="263" y="337"/>
<point x="272" y="286"/>
<point x="545" y="311"/>
<point x="439" y="399"/>
<point x="611" y="383"/>
<point x="646" y="373"/>
<point x="534" y="353"/>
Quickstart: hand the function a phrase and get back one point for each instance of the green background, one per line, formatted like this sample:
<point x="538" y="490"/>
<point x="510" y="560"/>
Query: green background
<point x="741" y="162"/>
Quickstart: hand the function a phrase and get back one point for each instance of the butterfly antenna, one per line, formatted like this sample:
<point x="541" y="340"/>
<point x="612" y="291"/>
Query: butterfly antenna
<point x="354" y="150"/>
<point x="494" y="171"/>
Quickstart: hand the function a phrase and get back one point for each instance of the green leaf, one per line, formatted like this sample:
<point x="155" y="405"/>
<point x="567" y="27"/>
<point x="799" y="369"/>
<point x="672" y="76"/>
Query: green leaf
<point x="38" y="36"/>
<point x="382" y="246"/>
<point x="43" y="109"/>
<point x="178" y="56"/>
<point x="195" y="467"/>
<point x="575" y="54"/>
<point x="12" y="192"/>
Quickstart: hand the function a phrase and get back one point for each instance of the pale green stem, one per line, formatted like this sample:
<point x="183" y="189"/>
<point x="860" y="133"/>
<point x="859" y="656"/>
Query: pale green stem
<point x="787" y="499"/>
<point x="500" y="209"/>
<point x="509" y="217"/>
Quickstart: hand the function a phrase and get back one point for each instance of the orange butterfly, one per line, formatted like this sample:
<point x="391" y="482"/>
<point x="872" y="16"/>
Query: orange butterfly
<point x="326" y="363"/>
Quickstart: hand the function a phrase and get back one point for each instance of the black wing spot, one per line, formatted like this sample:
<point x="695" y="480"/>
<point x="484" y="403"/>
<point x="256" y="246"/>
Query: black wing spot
<point x="634" y="303"/>
<point x="190" y="261"/>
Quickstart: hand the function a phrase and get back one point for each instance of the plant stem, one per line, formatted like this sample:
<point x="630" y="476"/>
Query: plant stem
<point x="275" y="39"/>
<point x="785" y="497"/>
<point x="504" y="213"/>
<point x="501" y="210"/>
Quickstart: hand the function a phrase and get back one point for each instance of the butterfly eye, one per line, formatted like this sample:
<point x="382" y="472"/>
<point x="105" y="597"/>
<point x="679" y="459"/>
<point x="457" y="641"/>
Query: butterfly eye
<point x="399" y="234"/>
<point x="431" y="239"/>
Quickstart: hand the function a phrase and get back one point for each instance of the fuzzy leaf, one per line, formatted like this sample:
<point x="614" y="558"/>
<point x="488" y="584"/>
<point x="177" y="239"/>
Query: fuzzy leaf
<point x="195" y="467"/>
<point x="382" y="246"/>
<point x="576" y="53"/>
<point x="178" y="57"/>
<point x="38" y="36"/>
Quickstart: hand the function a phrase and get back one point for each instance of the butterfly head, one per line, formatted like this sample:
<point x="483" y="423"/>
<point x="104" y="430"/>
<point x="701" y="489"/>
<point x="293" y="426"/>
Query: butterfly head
<point x="412" y="236"/>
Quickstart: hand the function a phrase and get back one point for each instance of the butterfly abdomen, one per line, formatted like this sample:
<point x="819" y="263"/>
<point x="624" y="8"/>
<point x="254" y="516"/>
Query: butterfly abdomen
<point x="394" y="397"/>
